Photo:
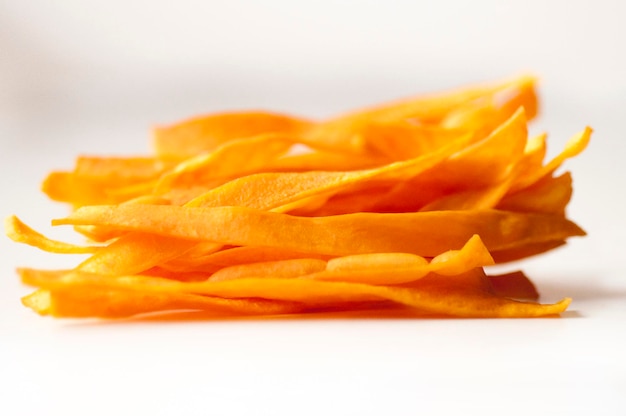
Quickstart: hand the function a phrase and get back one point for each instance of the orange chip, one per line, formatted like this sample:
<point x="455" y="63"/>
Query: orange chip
<point x="204" y="134"/>
<point x="462" y="295"/>
<point x="19" y="232"/>
<point x="423" y="233"/>
<point x="107" y="303"/>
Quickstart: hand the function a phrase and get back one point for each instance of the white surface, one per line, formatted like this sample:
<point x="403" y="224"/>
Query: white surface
<point x="76" y="77"/>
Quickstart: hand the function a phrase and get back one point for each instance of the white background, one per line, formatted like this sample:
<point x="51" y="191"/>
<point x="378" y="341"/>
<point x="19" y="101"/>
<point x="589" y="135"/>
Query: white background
<point x="93" y="77"/>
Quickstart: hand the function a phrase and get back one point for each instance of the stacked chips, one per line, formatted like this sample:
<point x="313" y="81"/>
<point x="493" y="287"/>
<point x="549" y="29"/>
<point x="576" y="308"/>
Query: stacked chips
<point x="401" y="205"/>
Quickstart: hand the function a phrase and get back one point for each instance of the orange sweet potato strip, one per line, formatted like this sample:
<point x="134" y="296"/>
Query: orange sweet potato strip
<point x="269" y="191"/>
<point x="201" y="262"/>
<point x="232" y="159"/>
<point x="19" y="232"/>
<point x="352" y="133"/>
<point x="339" y="133"/>
<point x="320" y="160"/>
<point x="255" y="254"/>
<point x="435" y="108"/>
<point x="448" y="295"/>
<point x="130" y="169"/>
<point x="100" y="180"/>
<point x="473" y="254"/>
<point x="106" y="303"/>
<point x="425" y="193"/>
<point x="549" y="195"/>
<point x="455" y="262"/>
<point x="364" y="262"/>
<point x="82" y="190"/>
<point x="573" y="147"/>
<point x="204" y="134"/>
<point x="181" y="276"/>
<point x="486" y="113"/>
<point x="484" y="167"/>
<point x="405" y="139"/>
<point x="546" y="194"/>
<point x="103" y="234"/>
<point x="392" y="140"/>
<point x="489" y="161"/>
<point x="472" y="199"/>
<point x="356" y="198"/>
<point x="41" y="277"/>
<point x="134" y="253"/>
<point x="399" y="268"/>
<point x="426" y="234"/>
<point x="532" y="159"/>
<point x="67" y="187"/>
<point x="276" y="269"/>
<point x="496" y="159"/>
<point x="379" y="268"/>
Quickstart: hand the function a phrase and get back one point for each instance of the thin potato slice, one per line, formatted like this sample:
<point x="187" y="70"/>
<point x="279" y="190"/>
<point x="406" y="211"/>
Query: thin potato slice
<point x="350" y="133"/>
<point x="486" y="113"/>
<point x="281" y="269"/>
<point x="399" y="268"/>
<point x="19" y="232"/>
<point x="320" y="160"/>
<point x="106" y="303"/>
<point x="425" y="234"/>
<point x="472" y="199"/>
<point x="434" y="108"/>
<point x="549" y="195"/>
<point x="134" y="253"/>
<point x="481" y="171"/>
<point x="532" y="159"/>
<point x="448" y="295"/>
<point x="204" y="134"/>
<point x="129" y="169"/>
<point x="99" y="180"/>
<point x="67" y="187"/>
<point x="210" y="262"/>
<point x="269" y="191"/>
<point x="232" y="159"/>
<point x="573" y="147"/>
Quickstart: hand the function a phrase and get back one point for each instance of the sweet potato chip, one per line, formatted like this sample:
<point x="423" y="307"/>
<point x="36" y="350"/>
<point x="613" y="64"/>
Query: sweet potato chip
<point x="399" y="268"/>
<point x="461" y="295"/>
<point x="275" y="269"/>
<point x="107" y="303"/>
<point x="232" y="159"/>
<point x="204" y="134"/>
<point x="424" y="234"/>
<point x="19" y="232"/>
<point x="574" y="146"/>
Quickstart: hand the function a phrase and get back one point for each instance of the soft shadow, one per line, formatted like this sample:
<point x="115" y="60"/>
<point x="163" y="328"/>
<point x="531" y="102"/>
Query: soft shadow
<point x="592" y="289"/>
<point x="381" y="314"/>
<point x="571" y="314"/>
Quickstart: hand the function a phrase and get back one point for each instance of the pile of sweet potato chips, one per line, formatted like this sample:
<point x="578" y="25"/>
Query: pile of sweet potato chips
<point x="400" y="205"/>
